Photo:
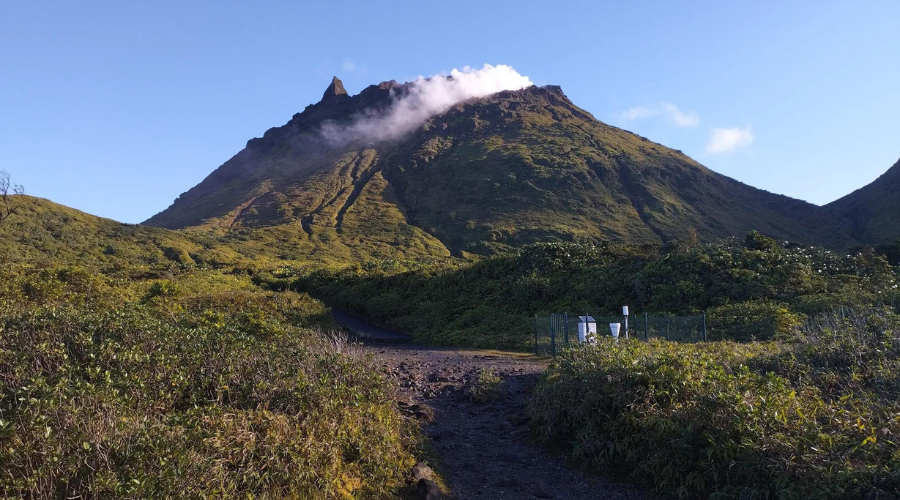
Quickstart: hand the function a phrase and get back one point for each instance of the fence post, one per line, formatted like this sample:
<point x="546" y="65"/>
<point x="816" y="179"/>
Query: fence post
<point x="587" y="329"/>
<point x="552" y="335"/>
<point x="536" y="353"/>
<point x="646" y="327"/>
<point x="566" y="326"/>
<point x="667" y="327"/>
<point x="704" y="328"/>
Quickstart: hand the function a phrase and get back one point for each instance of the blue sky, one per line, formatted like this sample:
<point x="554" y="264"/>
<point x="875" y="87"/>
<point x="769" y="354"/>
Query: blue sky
<point x="116" y="108"/>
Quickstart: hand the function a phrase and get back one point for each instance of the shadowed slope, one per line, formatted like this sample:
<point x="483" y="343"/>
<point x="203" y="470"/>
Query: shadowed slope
<point x="874" y="209"/>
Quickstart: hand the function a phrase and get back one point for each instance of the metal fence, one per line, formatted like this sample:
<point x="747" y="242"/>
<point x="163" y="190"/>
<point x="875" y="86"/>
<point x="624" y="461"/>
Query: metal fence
<point x="557" y="331"/>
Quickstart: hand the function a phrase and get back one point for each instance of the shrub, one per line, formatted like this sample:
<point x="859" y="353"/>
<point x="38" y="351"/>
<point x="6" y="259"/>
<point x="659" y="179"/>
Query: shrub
<point x="162" y="289"/>
<point x="752" y="289"/>
<point x="814" y="418"/>
<point x="485" y="387"/>
<point x="178" y="255"/>
<point x="747" y="321"/>
<point x="223" y="397"/>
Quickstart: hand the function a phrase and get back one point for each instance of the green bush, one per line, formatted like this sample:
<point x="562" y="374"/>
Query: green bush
<point x="177" y="254"/>
<point x="486" y="387"/>
<point x="747" y="321"/>
<point x="814" y="418"/>
<point x="228" y="395"/>
<point x="751" y="289"/>
<point x="163" y="289"/>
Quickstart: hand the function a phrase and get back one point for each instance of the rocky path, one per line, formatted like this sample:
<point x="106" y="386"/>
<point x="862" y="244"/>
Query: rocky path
<point x="482" y="441"/>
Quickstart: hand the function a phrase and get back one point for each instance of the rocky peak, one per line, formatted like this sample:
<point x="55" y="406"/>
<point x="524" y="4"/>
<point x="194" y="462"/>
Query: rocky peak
<point x="334" y="91"/>
<point x="388" y="85"/>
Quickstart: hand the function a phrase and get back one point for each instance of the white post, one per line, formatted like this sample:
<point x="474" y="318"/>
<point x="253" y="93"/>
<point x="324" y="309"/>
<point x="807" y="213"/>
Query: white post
<point x="625" y="313"/>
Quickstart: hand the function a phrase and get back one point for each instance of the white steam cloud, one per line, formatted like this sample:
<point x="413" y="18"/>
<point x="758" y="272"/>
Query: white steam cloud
<point x="428" y="97"/>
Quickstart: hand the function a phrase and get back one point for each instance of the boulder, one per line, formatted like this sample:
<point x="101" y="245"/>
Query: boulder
<point x="429" y="490"/>
<point x="421" y="471"/>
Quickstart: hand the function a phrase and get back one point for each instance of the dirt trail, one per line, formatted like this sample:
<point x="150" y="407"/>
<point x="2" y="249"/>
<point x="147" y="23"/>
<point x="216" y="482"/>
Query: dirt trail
<point x="483" y="447"/>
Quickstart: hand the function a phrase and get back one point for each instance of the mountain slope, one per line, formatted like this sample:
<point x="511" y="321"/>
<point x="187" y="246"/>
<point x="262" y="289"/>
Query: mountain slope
<point x="530" y="166"/>
<point x="874" y="210"/>
<point x="43" y="231"/>
<point x="489" y="174"/>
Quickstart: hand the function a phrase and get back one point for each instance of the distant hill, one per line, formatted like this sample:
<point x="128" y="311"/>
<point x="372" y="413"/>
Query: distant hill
<point x="487" y="175"/>
<point x="43" y="231"/>
<point x="874" y="210"/>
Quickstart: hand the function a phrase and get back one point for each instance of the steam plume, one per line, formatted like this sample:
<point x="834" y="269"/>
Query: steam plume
<point x="427" y="97"/>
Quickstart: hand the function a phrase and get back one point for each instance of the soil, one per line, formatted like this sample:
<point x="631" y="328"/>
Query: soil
<point x="483" y="447"/>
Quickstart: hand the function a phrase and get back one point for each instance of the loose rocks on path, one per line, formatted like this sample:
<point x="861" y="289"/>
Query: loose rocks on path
<point x="470" y="404"/>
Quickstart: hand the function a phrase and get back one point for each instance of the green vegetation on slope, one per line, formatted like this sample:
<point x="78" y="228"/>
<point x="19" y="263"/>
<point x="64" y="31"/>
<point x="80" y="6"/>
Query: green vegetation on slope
<point x="751" y="289"/>
<point x="489" y="175"/>
<point x="873" y="209"/>
<point x="812" y="418"/>
<point x="198" y="386"/>
<point x="43" y="231"/>
<point x="530" y="166"/>
<point x="155" y="368"/>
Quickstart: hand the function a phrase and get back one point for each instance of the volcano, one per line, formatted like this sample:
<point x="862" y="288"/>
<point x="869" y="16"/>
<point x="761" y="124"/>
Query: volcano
<point x="483" y="175"/>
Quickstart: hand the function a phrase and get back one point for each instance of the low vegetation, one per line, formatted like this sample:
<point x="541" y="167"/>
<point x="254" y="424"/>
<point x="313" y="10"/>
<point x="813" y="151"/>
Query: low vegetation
<point x="485" y="387"/>
<point x="750" y="289"/>
<point x="145" y="363"/>
<point x="43" y="232"/>
<point x="191" y="383"/>
<point x="814" y="417"/>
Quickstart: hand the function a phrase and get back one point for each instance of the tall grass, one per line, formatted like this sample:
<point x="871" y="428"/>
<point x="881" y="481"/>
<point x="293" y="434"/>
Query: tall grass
<point x="218" y="394"/>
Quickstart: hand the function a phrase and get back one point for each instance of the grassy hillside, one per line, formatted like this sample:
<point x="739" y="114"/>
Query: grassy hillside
<point x="487" y="176"/>
<point x="751" y="288"/>
<point x="140" y="362"/>
<point x="43" y="231"/>
<point x="48" y="232"/>
<point x="873" y="209"/>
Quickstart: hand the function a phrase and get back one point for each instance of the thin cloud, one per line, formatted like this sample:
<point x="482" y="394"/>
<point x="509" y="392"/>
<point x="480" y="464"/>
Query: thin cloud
<point x="671" y="112"/>
<point x="638" y="112"/>
<point x="727" y="140"/>
<point x="349" y="65"/>
<point x="680" y="118"/>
